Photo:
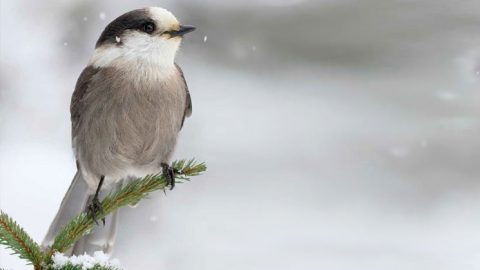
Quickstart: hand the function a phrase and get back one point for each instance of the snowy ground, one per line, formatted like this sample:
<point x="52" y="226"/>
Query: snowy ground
<point x="358" y="149"/>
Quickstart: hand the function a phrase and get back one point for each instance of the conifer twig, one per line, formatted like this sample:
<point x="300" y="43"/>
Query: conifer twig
<point x="16" y="239"/>
<point x="131" y="193"/>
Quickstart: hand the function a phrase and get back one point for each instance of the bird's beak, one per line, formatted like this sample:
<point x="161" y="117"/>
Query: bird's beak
<point x="184" y="29"/>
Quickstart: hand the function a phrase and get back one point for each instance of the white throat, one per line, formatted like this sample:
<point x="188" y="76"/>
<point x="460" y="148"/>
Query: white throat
<point x="137" y="49"/>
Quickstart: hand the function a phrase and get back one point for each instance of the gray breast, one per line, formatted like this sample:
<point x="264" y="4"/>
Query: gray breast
<point x="129" y="123"/>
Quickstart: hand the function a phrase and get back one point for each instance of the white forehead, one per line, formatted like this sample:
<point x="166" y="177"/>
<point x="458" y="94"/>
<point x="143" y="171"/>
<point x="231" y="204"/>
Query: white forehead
<point x="162" y="16"/>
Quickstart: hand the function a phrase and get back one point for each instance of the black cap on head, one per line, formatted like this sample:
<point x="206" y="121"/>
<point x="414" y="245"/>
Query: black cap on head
<point x="135" y="19"/>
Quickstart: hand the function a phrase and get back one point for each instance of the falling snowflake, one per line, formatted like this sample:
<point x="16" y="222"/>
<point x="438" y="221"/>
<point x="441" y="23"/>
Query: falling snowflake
<point x="254" y="48"/>
<point x="85" y="18"/>
<point x="65" y="44"/>
<point x="205" y="38"/>
<point x="102" y="16"/>
<point x="117" y="38"/>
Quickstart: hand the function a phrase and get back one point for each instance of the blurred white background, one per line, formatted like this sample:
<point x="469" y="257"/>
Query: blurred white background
<point x="338" y="134"/>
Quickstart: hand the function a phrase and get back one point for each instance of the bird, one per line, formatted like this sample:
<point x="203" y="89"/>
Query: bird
<point x="127" y="109"/>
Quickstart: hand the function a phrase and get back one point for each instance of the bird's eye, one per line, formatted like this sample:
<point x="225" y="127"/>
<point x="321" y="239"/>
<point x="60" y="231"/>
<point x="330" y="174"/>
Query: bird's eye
<point x="148" y="28"/>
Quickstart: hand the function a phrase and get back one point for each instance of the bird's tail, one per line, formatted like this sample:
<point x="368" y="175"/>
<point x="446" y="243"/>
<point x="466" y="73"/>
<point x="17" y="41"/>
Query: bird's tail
<point x="75" y="202"/>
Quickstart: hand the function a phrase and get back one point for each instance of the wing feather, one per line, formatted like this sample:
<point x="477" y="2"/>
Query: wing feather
<point x="77" y="102"/>
<point x="188" y="103"/>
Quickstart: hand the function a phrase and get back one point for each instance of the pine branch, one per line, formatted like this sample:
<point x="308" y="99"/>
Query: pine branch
<point x="16" y="239"/>
<point x="131" y="193"/>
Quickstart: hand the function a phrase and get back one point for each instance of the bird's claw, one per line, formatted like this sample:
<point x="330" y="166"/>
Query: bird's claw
<point x="94" y="209"/>
<point x="169" y="174"/>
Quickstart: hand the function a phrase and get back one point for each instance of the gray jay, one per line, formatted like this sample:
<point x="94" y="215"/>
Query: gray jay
<point x="127" y="109"/>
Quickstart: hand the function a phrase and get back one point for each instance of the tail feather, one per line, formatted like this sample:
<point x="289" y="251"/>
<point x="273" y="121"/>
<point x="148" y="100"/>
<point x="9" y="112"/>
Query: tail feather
<point x="75" y="202"/>
<point x="102" y="237"/>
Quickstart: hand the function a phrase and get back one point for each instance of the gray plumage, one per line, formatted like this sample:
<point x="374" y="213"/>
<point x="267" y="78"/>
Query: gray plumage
<point x="125" y="121"/>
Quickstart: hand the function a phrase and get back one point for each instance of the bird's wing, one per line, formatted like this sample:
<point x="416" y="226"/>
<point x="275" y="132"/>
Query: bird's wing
<point x="81" y="88"/>
<point x="188" y="103"/>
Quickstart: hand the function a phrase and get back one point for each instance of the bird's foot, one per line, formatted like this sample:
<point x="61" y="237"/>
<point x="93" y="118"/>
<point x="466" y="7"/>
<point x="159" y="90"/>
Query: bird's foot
<point x="95" y="206"/>
<point x="169" y="174"/>
<point x="94" y="209"/>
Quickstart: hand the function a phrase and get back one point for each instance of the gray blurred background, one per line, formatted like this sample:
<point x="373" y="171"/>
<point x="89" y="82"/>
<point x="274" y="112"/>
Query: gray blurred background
<point x="338" y="134"/>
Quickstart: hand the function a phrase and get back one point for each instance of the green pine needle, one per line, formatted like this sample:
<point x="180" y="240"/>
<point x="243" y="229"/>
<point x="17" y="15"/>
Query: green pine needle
<point x="16" y="239"/>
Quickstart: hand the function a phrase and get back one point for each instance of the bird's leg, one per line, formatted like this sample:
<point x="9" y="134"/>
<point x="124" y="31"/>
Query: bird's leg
<point x="169" y="174"/>
<point x="95" y="206"/>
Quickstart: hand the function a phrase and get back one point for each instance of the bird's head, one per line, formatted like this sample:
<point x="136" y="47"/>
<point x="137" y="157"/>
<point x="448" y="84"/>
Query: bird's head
<point x="151" y="34"/>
